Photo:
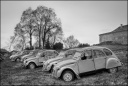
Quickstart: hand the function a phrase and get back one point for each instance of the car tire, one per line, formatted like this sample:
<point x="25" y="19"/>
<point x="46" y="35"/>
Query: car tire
<point x="31" y="66"/>
<point x="113" y="70"/>
<point x="68" y="76"/>
<point x="17" y="59"/>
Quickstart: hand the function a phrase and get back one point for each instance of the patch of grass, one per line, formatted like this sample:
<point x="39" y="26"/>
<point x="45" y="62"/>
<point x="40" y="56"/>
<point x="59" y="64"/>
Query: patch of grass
<point x="12" y="73"/>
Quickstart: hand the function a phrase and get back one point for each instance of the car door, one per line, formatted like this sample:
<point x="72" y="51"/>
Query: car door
<point x="99" y="59"/>
<point x="86" y="62"/>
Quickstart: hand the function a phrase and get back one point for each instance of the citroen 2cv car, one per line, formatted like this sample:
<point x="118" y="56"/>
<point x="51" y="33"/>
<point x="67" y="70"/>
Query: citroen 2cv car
<point x="32" y="54"/>
<point x="64" y="55"/>
<point x="87" y="60"/>
<point x="40" y="58"/>
<point x="18" y="55"/>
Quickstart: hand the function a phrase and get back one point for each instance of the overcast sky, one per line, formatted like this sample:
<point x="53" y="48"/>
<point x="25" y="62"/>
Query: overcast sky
<point x="83" y="19"/>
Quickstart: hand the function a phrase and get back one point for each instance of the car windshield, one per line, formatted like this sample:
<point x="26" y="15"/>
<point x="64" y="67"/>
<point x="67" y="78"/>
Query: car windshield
<point x="33" y="52"/>
<point x="24" y="52"/>
<point x="21" y="53"/>
<point x="69" y="53"/>
<point x="38" y="54"/>
<point x="18" y="52"/>
<point x="77" y="55"/>
<point x="61" y="54"/>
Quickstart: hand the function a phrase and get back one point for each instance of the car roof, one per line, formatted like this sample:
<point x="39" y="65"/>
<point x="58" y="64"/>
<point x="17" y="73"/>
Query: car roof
<point x="41" y="51"/>
<point x="94" y="47"/>
<point x="49" y="50"/>
<point x="86" y="48"/>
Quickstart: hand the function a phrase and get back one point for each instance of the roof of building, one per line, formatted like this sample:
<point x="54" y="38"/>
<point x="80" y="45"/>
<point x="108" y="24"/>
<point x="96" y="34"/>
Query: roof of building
<point x="119" y="29"/>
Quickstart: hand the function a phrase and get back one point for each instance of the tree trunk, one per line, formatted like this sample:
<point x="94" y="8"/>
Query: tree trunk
<point x="39" y="38"/>
<point x="43" y="38"/>
<point x="30" y="40"/>
<point x="54" y="39"/>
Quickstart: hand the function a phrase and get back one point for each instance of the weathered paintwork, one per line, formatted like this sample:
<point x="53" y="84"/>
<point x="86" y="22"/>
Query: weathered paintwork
<point x="19" y="55"/>
<point x="48" y="65"/>
<point x="32" y="54"/>
<point x="40" y="58"/>
<point x="102" y="60"/>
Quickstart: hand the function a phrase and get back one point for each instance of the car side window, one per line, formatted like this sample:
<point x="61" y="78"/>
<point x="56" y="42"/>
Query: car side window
<point x="42" y="55"/>
<point x="55" y="53"/>
<point x="107" y="52"/>
<point x="89" y="52"/>
<point x="86" y="55"/>
<point x="98" y="53"/>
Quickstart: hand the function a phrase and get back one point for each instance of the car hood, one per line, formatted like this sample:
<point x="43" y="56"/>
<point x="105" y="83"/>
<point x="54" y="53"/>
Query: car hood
<point x="25" y="56"/>
<point x="65" y="62"/>
<point x="31" y="58"/>
<point x="59" y="60"/>
<point x="53" y="59"/>
<point x="13" y="56"/>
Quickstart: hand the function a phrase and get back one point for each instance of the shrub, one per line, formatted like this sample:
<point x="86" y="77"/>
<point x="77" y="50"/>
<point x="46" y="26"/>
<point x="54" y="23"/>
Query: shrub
<point x="29" y="48"/>
<point x="83" y="45"/>
<point x="58" y="46"/>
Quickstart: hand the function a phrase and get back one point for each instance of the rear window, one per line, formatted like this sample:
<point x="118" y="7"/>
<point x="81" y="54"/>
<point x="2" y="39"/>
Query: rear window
<point x="107" y="52"/>
<point x="98" y="53"/>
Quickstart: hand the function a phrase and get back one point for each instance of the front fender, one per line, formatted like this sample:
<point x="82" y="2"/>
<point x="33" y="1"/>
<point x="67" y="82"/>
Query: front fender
<point x="14" y="58"/>
<point x="73" y="67"/>
<point x="112" y="62"/>
<point x="33" y="61"/>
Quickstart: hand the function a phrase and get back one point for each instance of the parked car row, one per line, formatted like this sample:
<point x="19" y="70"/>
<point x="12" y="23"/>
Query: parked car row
<point x="40" y="58"/>
<point x="70" y="63"/>
<point x="18" y="55"/>
<point x="82" y="61"/>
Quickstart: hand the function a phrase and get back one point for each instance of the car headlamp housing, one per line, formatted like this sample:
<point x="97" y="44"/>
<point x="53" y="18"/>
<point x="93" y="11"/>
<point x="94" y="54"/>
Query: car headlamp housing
<point x="58" y="68"/>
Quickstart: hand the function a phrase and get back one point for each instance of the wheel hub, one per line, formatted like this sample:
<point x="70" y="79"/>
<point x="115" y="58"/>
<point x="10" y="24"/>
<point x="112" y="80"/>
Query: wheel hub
<point x="67" y="77"/>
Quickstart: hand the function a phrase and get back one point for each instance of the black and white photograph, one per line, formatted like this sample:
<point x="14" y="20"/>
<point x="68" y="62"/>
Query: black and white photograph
<point x="68" y="42"/>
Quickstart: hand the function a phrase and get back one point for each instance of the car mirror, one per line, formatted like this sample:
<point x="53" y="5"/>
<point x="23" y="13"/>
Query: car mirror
<point x="83" y="58"/>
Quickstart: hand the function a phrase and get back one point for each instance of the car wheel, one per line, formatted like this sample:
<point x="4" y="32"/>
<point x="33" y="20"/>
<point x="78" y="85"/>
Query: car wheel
<point x="18" y="59"/>
<point x="68" y="76"/>
<point x="31" y="66"/>
<point x="113" y="70"/>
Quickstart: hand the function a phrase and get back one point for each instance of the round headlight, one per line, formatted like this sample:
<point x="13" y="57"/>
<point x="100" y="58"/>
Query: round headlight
<point x="57" y="68"/>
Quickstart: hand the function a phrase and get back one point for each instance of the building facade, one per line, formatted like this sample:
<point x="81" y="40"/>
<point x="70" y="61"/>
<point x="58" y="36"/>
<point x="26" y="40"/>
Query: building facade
<point x="118" y="35"/>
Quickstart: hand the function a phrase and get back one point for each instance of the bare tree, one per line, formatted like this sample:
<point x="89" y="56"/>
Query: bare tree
<point x="47" y="21"/>
<point x="71" y="41"/>
<point x="28" y="23"/>
<point x="20" y="36"/>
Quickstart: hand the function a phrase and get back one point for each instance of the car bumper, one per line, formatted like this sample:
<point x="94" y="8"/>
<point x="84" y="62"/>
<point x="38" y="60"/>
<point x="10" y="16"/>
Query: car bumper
<point x="25" y="64"/>
<point x="46" y="68"/>
<point x="54" y="74"/>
